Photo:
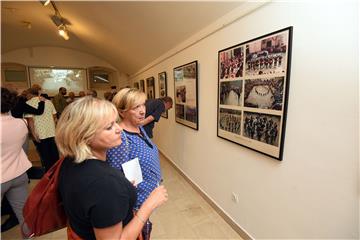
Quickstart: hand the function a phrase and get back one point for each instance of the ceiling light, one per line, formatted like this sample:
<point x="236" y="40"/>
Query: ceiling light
<point x="63" y="31"/>
<point x="45" y="3"/>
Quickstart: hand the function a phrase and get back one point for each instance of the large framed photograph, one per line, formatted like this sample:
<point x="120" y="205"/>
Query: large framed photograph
<point x="253" y="90"/>
<point x="163" y="89"/>
<point x="51" y="79"/>
<point x="186" y="95"/>
<point x="150" y="88"/>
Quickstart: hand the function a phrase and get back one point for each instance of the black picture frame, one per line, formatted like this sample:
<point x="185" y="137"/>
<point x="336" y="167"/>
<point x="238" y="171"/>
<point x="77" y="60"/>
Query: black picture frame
<point x="150" y="88"/>
<point x="186" y="95"/>
<point x="163" y="89"/>
<point x="142" y="85"/>
<point x="253" y="90"/>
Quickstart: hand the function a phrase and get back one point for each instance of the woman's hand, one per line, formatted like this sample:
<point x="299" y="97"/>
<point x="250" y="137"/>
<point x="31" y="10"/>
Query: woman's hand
<point x="157" y="197"/>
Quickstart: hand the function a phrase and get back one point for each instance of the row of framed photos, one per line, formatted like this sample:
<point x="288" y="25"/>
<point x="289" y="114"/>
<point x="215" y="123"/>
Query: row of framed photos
<point x="253" y="90"/>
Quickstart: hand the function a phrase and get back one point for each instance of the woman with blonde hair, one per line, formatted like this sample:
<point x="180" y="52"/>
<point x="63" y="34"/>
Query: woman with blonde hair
<point x="130" y="103"/>
<point x="98" y="199"/>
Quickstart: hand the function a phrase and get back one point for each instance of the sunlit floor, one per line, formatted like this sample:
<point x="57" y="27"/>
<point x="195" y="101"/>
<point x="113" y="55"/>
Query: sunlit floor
<point x="185" y="216"/>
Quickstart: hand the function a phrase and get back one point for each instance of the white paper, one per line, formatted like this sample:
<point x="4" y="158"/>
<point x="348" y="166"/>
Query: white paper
<point x="132" y="171"/>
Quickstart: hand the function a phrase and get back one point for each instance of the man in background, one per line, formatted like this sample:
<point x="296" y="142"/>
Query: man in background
<point x="154" y="109"/>
<point x="42" y="128"/>
<point x="59" y="101"/>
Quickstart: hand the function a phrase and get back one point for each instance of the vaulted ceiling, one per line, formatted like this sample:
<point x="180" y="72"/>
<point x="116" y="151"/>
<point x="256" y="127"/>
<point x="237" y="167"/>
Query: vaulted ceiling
<point x="127" y="34"/>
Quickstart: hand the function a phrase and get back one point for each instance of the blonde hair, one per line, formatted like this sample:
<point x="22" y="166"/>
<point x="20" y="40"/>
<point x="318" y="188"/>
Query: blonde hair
<point x="128" y="98"/>
<point x="78" y="124"/>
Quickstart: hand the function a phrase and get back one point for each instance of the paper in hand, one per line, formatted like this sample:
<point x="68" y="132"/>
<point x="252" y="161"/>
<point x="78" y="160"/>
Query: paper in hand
<point x="132" y="171"/>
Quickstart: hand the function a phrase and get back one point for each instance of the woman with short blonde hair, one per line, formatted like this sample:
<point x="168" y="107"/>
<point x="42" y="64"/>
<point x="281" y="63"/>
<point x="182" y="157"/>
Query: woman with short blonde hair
<point x="128" y="98"/>
<point x="98" y="199"/>
<point x="130" y="103"/>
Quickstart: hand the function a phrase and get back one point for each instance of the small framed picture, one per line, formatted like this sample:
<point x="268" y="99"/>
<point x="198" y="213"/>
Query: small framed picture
<point x="186" y="95"/>
<point x="163" y="89"/>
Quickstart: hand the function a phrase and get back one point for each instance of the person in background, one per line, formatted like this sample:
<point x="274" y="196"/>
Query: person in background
<point x="59" y="101"/>
<point x="154" y="109"/>
<point x="14" y="162"/>
<point x="81" y="94"/>
<point x="92" y="93"/>
<point x="42" y="128"/>
<point x="97" y="198"/>
<point x="113" y="89"/>
<point x="20" y="108"/>
<point x="130" y="103"/>
<point x="108" y="96"/>
<point x="71" y="98"/>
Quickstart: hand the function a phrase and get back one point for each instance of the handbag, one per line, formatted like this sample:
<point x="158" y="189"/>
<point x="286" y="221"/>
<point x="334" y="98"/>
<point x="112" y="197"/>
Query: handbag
<point x="43" y="211"/>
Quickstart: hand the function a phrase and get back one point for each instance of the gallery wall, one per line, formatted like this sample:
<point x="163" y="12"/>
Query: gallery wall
<point x="61" y="57"/>
<point x="314" y="191"/>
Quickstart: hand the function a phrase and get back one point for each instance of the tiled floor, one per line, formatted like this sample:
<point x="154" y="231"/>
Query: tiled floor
<point x="185" y="216"/>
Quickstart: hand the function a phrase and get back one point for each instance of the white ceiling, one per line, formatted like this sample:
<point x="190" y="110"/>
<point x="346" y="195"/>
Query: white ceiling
<point x="127" y="34"/>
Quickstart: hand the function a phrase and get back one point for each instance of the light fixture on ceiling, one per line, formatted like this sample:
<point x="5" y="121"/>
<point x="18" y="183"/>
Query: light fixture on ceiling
<point x="45" y="3"/>
<point x="60" y="22"/>
<point x="63" y="31"/>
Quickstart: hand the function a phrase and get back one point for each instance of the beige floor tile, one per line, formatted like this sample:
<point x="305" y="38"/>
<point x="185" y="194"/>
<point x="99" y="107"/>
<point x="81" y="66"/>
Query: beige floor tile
<point x="185" y="216"/>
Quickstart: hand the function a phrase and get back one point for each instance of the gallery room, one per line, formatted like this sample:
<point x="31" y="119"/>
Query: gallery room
<point x="262" y="138"/>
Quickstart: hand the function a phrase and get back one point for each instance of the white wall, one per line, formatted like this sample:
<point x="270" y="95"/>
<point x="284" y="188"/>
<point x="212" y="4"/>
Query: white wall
<point x="313" y="192"/>
<point x="61" y="57"/>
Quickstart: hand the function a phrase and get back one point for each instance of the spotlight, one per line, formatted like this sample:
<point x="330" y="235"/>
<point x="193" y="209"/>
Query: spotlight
<point x="63" y="31"/>
<point x="45" y="3"/>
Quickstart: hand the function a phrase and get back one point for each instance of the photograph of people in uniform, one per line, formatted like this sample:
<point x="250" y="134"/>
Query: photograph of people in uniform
<point x="231" y="63"/>
<point x="262" y="127"/>
<point x="230" y="120"/>
<point x="267" y="56"/>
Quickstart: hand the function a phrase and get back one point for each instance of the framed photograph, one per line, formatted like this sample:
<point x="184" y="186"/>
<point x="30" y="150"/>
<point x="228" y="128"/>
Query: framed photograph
<point x="253" y="90"/>
<point x="186" y="95"/>
<point x="150" y="88"/>
<point x="163" y="89"/>
<point x="136" y="85"/>
<point x="142" y="85"/>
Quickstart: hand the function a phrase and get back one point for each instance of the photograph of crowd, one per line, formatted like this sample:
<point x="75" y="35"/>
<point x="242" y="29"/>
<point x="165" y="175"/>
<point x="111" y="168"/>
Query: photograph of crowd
<point x="185" y="88"/>
<point x="264" y="93"/>
<point x="267" y="56"/>
<point x="262" y="127"/>
<point x="190" y="114"/>
<point x="180" y="94"/>
<point x="142" y="85"/>
<point x="230" y="120"/>
<point x="150" y="88"/>
<point x="231" y="63"/>
<point x="180" y="111"/>
<point x="231" y="92"/>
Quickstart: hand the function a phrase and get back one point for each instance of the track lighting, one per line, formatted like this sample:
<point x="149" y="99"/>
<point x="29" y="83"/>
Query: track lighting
<point x="60" y="22"/>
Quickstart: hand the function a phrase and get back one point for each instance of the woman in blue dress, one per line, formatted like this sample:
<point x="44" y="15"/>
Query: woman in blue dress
<point x="130" y="103"/>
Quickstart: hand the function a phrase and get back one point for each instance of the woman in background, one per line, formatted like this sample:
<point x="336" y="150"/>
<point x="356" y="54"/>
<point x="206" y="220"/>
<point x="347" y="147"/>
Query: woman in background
<point x="14" y="162"/>
<point x="97" y="198"/>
